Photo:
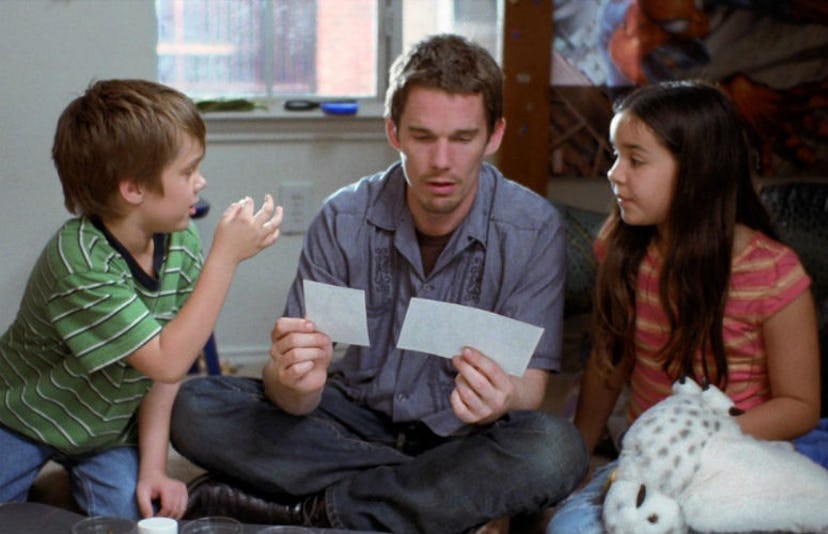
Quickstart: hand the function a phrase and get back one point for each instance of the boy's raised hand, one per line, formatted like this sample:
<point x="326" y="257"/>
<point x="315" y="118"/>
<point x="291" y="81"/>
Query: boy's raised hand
<point x="241" y="233"/>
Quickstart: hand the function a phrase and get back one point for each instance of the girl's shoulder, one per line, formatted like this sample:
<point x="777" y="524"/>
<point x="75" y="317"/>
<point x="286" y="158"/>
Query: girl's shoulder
<point x="764" y="263"/>
<point x="751" y="246"/>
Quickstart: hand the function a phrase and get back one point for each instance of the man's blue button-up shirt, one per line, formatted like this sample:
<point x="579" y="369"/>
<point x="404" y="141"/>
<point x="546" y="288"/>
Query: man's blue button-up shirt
<point x="507" y="257"/>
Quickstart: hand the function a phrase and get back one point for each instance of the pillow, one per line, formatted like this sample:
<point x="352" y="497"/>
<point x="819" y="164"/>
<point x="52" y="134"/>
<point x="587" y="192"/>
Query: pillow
<point x="581" y="229"/>
<point x="800" y="212"/>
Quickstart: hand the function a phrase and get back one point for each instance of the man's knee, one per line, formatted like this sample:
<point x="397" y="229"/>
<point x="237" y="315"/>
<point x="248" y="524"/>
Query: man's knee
<point x="553" y="450"/>
<point x="198" y="397"/>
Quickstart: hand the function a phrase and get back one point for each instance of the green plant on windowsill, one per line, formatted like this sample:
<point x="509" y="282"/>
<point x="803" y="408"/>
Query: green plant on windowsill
<point x="230" y="104"/>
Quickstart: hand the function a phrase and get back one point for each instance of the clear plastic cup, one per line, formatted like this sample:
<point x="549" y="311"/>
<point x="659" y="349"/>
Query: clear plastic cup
<point x="212" y="525"/>
<point x="105" y="525"/>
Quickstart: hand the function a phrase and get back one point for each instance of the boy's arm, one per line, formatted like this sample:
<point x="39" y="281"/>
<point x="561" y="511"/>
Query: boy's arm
<point x="239" y="235"/>
<point x="153" y="439"/>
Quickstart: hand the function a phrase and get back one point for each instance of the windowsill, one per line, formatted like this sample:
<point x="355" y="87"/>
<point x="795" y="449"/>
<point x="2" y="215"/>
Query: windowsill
<point x="278" y="124"/>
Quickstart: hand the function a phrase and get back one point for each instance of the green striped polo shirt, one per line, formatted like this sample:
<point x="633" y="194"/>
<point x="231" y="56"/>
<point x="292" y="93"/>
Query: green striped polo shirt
<point x="63" y="377"/>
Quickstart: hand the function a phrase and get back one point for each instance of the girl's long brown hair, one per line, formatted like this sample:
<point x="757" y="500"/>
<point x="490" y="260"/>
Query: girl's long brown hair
<point x="714" y="191"/>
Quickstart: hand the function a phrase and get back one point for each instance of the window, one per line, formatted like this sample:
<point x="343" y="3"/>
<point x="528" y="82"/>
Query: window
<point x="304" y="48"/>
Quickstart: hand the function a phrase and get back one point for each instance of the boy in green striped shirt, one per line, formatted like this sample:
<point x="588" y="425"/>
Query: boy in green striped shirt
<point x="120" y="302"/>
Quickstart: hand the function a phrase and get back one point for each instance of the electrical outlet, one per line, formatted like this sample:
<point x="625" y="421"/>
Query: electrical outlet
<point x="295" y="199"/>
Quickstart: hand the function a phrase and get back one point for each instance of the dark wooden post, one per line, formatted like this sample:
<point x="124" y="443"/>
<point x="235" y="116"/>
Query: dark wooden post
<point x="527" y="52"/>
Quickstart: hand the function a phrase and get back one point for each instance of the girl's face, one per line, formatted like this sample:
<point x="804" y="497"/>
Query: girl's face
<point x="643" y="176"/>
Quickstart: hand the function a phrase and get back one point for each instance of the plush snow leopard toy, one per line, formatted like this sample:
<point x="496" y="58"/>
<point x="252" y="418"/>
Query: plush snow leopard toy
<point x="685" y="465"/>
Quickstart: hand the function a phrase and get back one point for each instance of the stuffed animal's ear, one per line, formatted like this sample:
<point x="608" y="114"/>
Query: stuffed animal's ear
<point x="630" y="507"/>
<point x="717" y="401"/>
<point x="686" y="386"/>
<point x="744" y="484"/>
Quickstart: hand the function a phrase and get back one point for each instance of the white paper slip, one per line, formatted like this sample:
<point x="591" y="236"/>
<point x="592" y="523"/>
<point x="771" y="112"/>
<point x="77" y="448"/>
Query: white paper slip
<point x="443" y="329"/>
<point x="337" y="311"/>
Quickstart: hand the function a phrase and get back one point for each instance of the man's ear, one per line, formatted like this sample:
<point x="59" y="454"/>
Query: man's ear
<point x="131" y="192"/>
<point x="496" y="138"/>
<point x="391" y="134"/>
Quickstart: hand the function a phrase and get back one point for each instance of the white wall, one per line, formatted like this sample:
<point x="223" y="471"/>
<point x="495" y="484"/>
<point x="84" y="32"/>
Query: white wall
<point x="52" y="49"/>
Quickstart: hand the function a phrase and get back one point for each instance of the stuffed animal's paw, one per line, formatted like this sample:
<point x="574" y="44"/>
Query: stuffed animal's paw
<point x="630" y="508"/>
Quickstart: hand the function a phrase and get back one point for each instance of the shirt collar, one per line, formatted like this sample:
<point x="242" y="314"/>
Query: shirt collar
<point x="159" y="250"/>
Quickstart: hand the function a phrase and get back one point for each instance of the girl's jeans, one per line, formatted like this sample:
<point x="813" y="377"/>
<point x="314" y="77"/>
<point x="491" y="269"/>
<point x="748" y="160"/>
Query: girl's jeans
<point x="377" y="474"/>
<point x="103" y="483"/>
<point x="581" y="512"/>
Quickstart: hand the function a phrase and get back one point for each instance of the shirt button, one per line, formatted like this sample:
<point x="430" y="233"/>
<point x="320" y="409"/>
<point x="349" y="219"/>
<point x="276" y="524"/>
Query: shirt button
<point x="401" y="396"/>
<point x="427" y="288"/>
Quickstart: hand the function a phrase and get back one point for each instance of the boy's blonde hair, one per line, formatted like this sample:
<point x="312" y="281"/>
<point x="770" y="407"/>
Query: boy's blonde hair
<point x="120" y="129"/>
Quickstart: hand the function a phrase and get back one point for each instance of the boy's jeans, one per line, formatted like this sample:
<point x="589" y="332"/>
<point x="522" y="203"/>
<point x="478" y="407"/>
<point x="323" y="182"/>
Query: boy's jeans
<point x="377" y="475"/>
<point x="103" y="483"/>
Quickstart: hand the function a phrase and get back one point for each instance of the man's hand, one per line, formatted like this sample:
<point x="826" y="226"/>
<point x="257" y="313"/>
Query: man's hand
<point x="483" y="392"/>
<point x="298" y="367"/>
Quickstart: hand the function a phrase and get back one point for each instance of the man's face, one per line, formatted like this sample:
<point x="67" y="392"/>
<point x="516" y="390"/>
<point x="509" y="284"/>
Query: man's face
<point x="442" y="140"/>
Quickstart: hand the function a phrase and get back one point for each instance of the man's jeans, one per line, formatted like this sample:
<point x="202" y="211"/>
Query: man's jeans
<point x="377" y="475"/>
<point x="103" y="483"/>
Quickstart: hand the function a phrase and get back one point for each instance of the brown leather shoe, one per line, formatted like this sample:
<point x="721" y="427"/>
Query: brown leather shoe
<point x="314" y="512"/>
<point x="211" y="496"/>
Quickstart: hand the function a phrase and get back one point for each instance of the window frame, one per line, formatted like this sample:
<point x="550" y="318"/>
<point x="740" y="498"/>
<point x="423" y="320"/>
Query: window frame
<point x="389" y="40"/>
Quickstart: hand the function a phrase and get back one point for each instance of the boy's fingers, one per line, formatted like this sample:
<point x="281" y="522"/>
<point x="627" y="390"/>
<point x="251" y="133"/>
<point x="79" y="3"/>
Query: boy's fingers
<point x="276" y="219"/>
<point x="232" y="210"/>
<point x="267" y="208"/>
<point x="144" y="505"/>
<point x="247" y="205"/>
<point x="270" y="239"/>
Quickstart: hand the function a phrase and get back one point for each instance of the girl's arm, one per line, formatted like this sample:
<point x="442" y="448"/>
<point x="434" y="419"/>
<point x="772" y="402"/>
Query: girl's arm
<point x="792" y="348"/>
<point x="153" y="439"/>
<point x="597" y="399"/>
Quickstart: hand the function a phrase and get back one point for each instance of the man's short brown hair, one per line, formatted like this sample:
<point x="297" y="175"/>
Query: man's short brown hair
<point x="120" y="129"/>
<point x="450" y="63"/>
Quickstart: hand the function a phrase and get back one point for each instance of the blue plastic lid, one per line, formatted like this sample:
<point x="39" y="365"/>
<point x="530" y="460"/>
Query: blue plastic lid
<point x="340" y="107"/>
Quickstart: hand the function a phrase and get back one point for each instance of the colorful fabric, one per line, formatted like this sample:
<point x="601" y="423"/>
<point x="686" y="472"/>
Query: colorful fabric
<point x="814" y="444"/>
<point x="64" y="381"/>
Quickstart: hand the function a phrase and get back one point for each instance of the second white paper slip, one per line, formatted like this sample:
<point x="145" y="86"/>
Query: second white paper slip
<point x="443" y="329"/>
<point x="337" y="311"/>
